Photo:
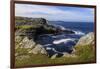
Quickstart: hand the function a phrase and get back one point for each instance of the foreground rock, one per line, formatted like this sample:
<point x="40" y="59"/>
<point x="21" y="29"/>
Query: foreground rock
<point x="27" y="43"/>
<point x="38" y="49"/>
<point x="86" y="40"/>
<point x="24" y="42"/>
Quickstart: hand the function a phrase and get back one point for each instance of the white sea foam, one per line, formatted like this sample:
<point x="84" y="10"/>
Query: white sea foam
<point x="79" y="33"/>
<point x="48" y="48"/>
<point x="60" y="27"/>
<point x="56" y="36"/>
<point x="63" y="28"/>
<point x="62" y="41"/>
<point x="47" y="44"/>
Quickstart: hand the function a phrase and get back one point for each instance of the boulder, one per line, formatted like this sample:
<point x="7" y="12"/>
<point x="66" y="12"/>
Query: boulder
<point x="87" y="39"/>
<point x="23" y="42"/>
<point x="38" y="49"/>
<point x="26" y="43"/>
<point x="18" y="40"/>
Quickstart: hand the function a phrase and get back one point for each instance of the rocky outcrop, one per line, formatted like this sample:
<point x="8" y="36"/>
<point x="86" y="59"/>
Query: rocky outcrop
<point x="40" y="24"/>
<point x="26" y="43"/>
<point x="86" y="40"/>
<point x="20" y="21"/>
<point x="38" y="49"/>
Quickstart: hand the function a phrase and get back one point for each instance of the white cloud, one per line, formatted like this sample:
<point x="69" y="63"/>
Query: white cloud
<point x="51" y="13"/>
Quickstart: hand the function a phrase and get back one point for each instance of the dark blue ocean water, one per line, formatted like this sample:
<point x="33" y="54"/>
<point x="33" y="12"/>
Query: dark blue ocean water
<point x="60" y="43"/>
<point x="84" y="27"/>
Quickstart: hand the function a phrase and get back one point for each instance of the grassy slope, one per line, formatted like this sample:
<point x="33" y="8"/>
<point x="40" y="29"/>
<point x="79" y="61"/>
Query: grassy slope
<point x="84" y="53"/>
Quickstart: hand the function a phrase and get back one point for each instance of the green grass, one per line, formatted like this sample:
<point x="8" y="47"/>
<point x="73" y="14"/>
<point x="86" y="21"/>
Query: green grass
<point x="84" y="53"/>
<point x="40" y="59"/>
<point x="24" y="27"/>
<point x="20" y="20"/>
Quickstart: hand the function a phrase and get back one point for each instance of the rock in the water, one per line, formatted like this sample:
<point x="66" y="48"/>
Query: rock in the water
<point x="86" y="39"/>
<point x="38" y="49"/>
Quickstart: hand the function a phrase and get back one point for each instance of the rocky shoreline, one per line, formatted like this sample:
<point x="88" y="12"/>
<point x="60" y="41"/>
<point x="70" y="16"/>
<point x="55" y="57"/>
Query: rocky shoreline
<point x="26" y="38"/>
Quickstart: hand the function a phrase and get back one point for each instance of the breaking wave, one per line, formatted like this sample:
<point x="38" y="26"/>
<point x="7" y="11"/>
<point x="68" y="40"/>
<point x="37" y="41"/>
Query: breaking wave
<point x="63" y="28"/>
<point x="60" y="27"/>
<point x="63" y="40"/>
<point x="79" y="33"/>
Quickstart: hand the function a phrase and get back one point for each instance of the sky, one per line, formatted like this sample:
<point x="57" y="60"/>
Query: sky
<point x="55" y="13"/>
